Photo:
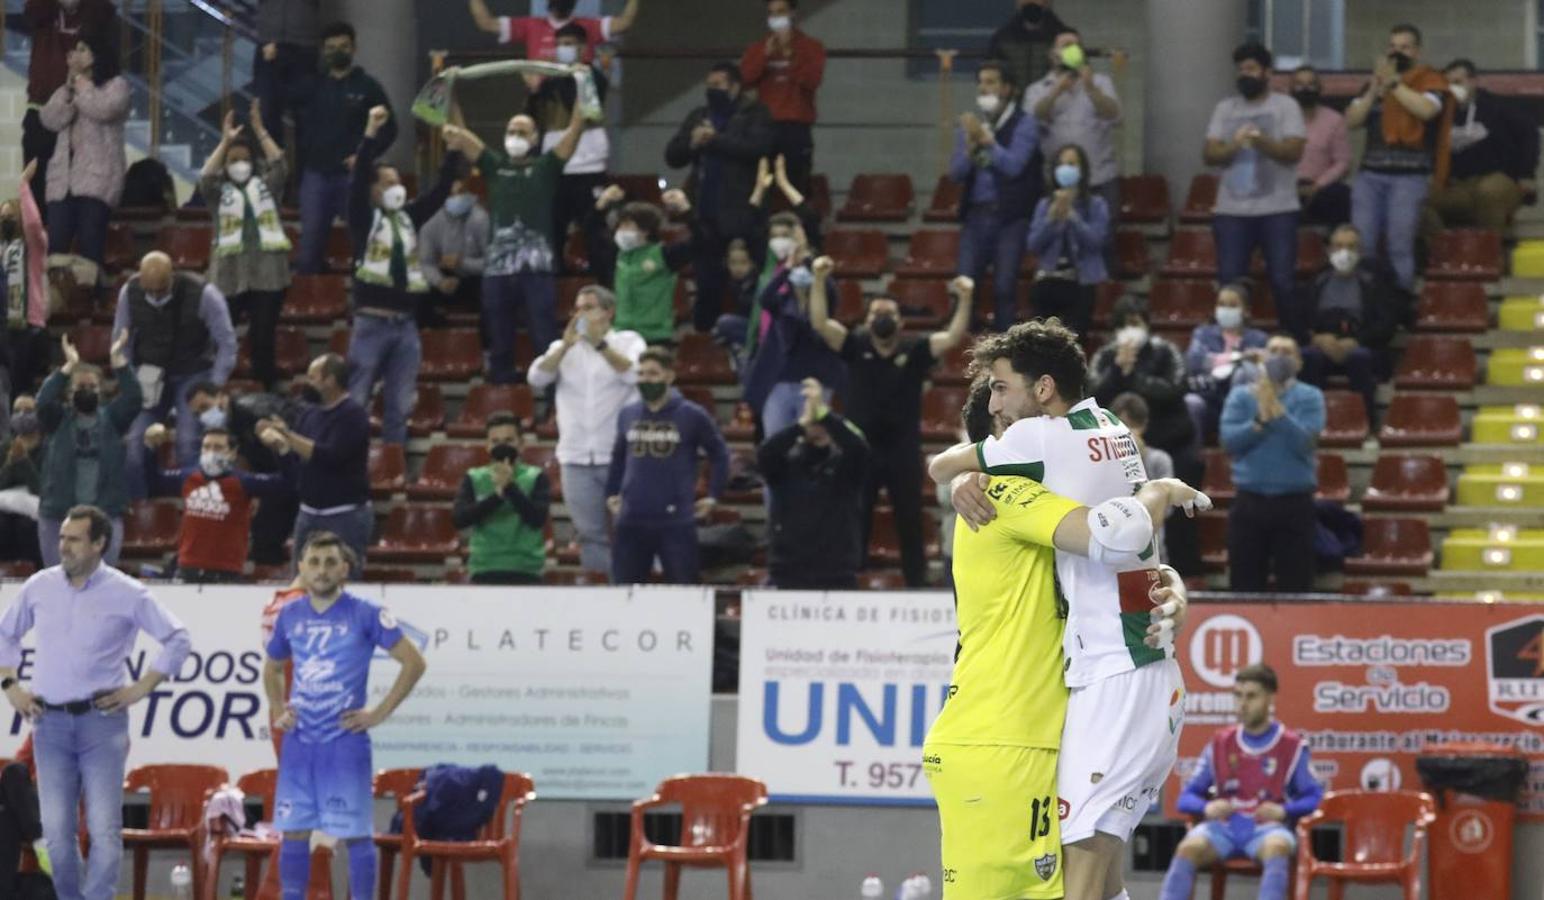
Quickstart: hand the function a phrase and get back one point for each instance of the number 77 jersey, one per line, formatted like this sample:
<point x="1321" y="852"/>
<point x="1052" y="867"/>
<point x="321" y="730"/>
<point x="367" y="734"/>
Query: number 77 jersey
<point x="1088" y="456"/>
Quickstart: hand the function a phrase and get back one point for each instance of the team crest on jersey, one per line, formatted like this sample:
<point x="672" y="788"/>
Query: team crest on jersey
<point x="1045" y="866"/>
<point x="1268" y="765"/>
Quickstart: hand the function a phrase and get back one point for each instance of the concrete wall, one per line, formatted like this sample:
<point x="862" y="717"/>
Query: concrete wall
<point x="1496" y="34"/>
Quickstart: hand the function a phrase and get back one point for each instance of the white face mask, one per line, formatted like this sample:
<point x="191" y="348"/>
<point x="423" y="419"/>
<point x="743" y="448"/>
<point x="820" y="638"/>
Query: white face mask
<point x="1131" y="334"/>
<point x="781" y="247"/>
<point x="394" y="198"/>
<point x="516" y="146"/>
<point x="1230" y="316"/>
<point x="779" y="23"/>
<point x="1344" y="260"/>
<point x="214" y="464"/>
<point x="1459" y="92"/>
<point x="628" y="239"/>
<point x="239" y="171"/>
<point x="989" y="103"/>
<point x="567" y="54"/>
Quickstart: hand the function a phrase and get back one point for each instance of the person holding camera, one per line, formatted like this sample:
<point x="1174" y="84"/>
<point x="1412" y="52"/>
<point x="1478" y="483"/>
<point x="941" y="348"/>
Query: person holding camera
<point x="505" y="505"/>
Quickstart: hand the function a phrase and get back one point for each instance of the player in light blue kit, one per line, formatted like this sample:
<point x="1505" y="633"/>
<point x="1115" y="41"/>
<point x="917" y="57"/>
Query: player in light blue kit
<point x="324" y="766"/>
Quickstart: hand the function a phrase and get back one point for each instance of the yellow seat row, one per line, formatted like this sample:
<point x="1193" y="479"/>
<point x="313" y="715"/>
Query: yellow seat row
<point x="1507" y="484"/>
<point x="1502" y="548"/>
<point x="1518" y="424"/>
<point x="1522" y="314"/>
<point x="1517" y="367"/>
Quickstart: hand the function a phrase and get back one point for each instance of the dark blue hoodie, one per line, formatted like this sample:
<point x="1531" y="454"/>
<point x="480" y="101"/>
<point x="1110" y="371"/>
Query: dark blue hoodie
<point x="654" y="462"/>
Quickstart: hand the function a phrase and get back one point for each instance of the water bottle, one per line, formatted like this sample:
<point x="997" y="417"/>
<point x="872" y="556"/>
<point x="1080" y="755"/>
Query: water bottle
<point x="873" y="888"/>
<point x="924" y="886"/>
<point x="907" y="889"/>
<point x="239" y="888"/>
<point x="182" y="883"/>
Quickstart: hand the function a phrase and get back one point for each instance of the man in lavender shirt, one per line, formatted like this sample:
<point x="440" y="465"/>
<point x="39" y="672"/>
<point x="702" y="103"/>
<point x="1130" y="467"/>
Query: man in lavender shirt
<point x="87" y="615"/>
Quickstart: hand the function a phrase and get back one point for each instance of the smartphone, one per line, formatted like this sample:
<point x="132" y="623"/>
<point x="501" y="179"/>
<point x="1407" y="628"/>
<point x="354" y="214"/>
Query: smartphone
<point x="583" y="328"/>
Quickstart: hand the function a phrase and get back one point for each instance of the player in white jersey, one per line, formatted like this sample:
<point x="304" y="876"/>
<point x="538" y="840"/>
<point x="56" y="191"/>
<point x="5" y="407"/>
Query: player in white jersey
<point x="1125" y="710"/>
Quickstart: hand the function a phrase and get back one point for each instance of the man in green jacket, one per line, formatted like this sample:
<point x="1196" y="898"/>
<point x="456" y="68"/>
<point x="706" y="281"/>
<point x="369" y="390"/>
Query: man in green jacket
<point x="83" y="463"/>
<point x="505" y="505"/>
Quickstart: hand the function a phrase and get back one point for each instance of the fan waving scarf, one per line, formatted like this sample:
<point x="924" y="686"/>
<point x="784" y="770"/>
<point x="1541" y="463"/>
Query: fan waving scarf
<point x="432" y="105"/>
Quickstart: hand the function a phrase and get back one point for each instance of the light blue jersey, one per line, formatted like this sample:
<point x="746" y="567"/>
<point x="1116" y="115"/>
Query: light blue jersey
<point x="331" y="652"/>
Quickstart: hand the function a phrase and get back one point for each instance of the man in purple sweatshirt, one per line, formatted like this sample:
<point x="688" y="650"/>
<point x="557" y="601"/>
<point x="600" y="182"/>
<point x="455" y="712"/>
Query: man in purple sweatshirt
<point x="1252" y="784"/>
<point x="652" y="486"/>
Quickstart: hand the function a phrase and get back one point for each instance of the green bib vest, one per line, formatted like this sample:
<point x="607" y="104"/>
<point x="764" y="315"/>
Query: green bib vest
<point x="503" y="543"/>
<point x="645" y="289"/>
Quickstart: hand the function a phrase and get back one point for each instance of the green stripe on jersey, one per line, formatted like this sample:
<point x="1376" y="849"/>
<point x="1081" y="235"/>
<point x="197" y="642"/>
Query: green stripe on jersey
<point x="1034" y="471"/>
<point x="1134" y="629"/>
<point x="1082" y="420"/>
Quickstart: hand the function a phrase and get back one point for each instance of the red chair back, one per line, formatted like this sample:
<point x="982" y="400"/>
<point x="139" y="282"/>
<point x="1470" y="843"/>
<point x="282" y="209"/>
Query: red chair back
<point x="176" y="792"/>
<point x="396" y="783"/>
<point x="1374" y="822"/>
<point x="712" y="806"/>
<point x="262" y="785"/>
<point x="519" y="789"/>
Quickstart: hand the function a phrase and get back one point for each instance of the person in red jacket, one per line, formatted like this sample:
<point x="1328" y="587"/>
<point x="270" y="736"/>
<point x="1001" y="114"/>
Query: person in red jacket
<point x="57" y="26"/>
<point x="785" y="69"/>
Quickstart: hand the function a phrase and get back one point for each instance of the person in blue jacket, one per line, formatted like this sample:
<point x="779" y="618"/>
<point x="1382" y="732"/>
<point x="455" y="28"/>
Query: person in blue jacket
<point x="1069" y="235"/>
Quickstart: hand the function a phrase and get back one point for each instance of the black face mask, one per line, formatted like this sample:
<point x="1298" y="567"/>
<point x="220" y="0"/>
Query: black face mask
<point x="1307" y="98"/>
<point x="1032" y="13"/>
<point x="339" y="60"/>
<point x="1250" y="86"/>
<point x="884" y="327"/>
<point x="504" y="453"/>
<point x="1402" y="63"/>
<point x="9" y="230"/>
<point x="311" y="395"/>
<point x="85" y="401"/>
<point x="560" y="9"/>
<point x="719" y="100"/>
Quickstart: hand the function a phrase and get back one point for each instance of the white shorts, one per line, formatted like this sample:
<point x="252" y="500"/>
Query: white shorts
<point x="1118" y="745"/>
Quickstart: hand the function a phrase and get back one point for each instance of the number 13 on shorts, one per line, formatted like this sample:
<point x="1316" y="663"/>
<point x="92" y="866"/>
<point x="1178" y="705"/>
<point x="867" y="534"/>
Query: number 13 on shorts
<point x="1000" y="821"/>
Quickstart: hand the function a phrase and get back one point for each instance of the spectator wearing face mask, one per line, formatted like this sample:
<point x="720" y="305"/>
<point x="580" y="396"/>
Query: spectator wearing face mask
<point x="242" y="415"/>
<point x="1270" y="430"/>
<point x="645" y="265"/>
<point x="997" y="160"/>
<point x="21" y="479"/>
<point x="785" y="70"/>
<point x="1131" y="409"/>
<point x="1221" y="353"/>
<point x="216" y="507"/>
<point x="249" y="260"/>
<point x="454" y="246"/>
<point x="1354" y="308"/>
<point x="84" y="456"/>
<point x="1023" y="41"/>
<point x="1495" y="150"/>
<point x="1408" y="114"/>
<point x="1069" y="236"/>
<point x="815" y="470"/>
<point x="1257" y="137"/>
<point x="1321" y="172"/>
<point x="85" y="175"/>
<point x="652" y="486"/>
<point x="55" y="27"/>
<point x="522" y="247"/>
<point x="25" y="346"/>
<point x="539" y="34"/>
<point x="504" y="504"/>
<point x="721" y="142"/>
<point x="1077" y="106"/>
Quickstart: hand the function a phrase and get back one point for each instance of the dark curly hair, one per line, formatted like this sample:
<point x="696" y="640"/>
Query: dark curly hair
<point x="1034" y="349"/>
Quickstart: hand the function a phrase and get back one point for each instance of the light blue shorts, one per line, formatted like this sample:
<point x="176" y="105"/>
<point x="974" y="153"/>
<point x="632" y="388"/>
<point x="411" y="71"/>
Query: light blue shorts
<point x="326" y="787"/>
<point x="1223" y="839"/>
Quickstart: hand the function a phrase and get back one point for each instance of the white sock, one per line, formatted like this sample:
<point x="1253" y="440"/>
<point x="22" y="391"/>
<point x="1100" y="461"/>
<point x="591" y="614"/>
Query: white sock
<point x="1122" y="895"/>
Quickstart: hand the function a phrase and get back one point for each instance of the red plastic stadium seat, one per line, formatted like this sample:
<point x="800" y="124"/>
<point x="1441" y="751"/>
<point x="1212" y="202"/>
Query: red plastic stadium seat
<point x="497" y="841"/>
<point x="1217" y="479"/>
<point x="941" y="412"/>
<point x="1376" y="589"/>
<point x="291" y="353"/>
<point x="742" y="423"/>
<point x="450" y="354"/>
<point x="699" y="360"/>
<point x="426" y="417"/>
<point x="1392" y="547"/>
<point x="1345" y="420"/>
<point x="151" y="527"/>
<point x="1465" y="254"/>
<point x="176" y="815"/>
<point x="1200" y="199"/>
<point x="187" y="245"/>
<point x="416" y="533"/>
<point x="572" y="577"/>
<point x="1131" y="259"/>
<point x="1373" y="842"/>
<point x="1334" y="478"/>
<point x="924" y="302"/>
<point x="858" y="253"/>
<point x="378" y="574"/>
<point x="1444" y="363"/>
<point x="1144" y="199"/>
<point x="340" y="250"/>
<point x="877" y="198"/>
<point x="1105" y="296"/>
<point x="1407" y="483"/>
<point x="642" y="187"/>
<point x="316" y="298"/>
<point x="1212" y="529"/>
<point x="443" y="468"/>
<point x="546" y="459"/>
<point x="119" y="251"/>
<point x="1181" y="303"/>
<point x="851" y="306"/>
<point x="18" y="569"/>
<point x="93" y="342"/>
<point x="1452" y="306"/>
<point x="885" y="546"/>
<point x="945" y="206"/>
<point x="881" y="580"/>
<point x="576" y="254"/>
<point x="715" y="813"/>
<point x="1421" y="420"/>
<point x="1311" y="253"/>
<point x="932" y="253"/>
<point x="388" y="470"/>
<point x="337" y="340"/>
<point x="483" y="400"/>
<point x="951" y="369"/>
<point x="1192" y="254"/>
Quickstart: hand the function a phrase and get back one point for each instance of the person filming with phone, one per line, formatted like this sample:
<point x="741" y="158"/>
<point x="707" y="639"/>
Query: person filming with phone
<point x="505" y="505"/>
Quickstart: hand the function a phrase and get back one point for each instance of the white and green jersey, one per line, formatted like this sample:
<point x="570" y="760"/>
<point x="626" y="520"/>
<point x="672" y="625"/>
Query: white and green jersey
<point x="1090" y="457"/>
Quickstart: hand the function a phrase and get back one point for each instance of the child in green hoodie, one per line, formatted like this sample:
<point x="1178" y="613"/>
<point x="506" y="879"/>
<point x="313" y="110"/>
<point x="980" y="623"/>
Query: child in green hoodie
<point x="646" y="267"/>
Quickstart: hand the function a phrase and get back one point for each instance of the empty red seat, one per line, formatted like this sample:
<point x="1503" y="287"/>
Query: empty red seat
<point x="316" y="298"/>
<point x="1192" y="254"/>
<point x="291" y="352"/>
<point x="1334" y="478"/>
<point x="1181" y="303"/>
<point x="851" y="305"/>
<point x="1131" y="259"/>
<point x="1413" y="482"/>
<point x="945" y="205"/>
<point x="1466" y="254"/>
<point x="1217" y="478"/>
<point x="1311" y="253"/>
<point x="1392" y="547"/>
<point x="426" y="417"/>
<point x="1452" y="306"/>
<point x="951" y="369"/>
<point x="546" y="459"/>
<point x="340" y="248"/>
<point x="1199" y="200"/>
<point x="881" y="580"/>
<point x="877" y="198"/>
<point x="700" y="360"/>
<point x="932" y="253"/>
<point x="483" y="400"/>
<point x="1445" y="363"/>
<point x="941" y="412"/>
<point x="187" y="245"/>
<point x="1144" y="199"/>
<point x="858" y="253"/>
<point x="641" y="188"/>
<point x="450" y="354"/>
<point x="885" y="545"/>
<point x="443" y="467"/>
<point x="924" y="302"/>
<point x="1345" y="420"/>
<point x="742" y="423"/>
<point x="416" y="533"/>
<point x="1421" y="420"/>
<point x="1105" y="296"/>
<point x="1376" y="589"/>
<point x="388" y="469"/>
<point x="119" y="252"/>
<point x="151" y="527"/>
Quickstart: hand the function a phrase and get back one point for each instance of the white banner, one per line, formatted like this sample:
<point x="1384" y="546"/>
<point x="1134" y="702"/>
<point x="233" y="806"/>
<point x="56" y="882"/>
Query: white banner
<point x="838" y="690"/>
<point x="598" y="693"/>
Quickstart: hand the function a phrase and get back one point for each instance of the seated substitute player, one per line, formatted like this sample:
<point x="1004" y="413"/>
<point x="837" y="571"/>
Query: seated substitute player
<point x="1126" y="705"/>
<point x="991" y="754"/>
<point x="1253" y="784"/>
<point x="325" y="766"/>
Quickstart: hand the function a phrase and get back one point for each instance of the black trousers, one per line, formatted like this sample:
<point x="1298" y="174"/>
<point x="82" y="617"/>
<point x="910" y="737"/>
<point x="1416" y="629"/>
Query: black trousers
<point x="505" y="578"/>
<point x="272" y="525"/>
<point x="896" y="466"/>
<point x="261" y="309"/>
<point x="1269" y="534"/>
<point x="1065" y="299"/>
<point x="1330" y="205"/>
<point x="274" y="82"/>
<point x="796" y="581"/>
<point x="20" y="823"/>
<point x="795" y="142"/>
<point x="575" y="198"/>
<point x="37" y="142"/>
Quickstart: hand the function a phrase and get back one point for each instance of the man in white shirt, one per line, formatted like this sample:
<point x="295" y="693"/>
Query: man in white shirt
<point x="596" y="372"/>
<point x="1077" y="106"/>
